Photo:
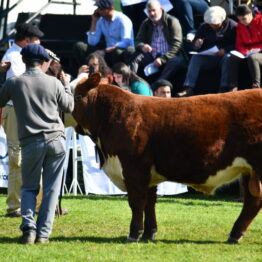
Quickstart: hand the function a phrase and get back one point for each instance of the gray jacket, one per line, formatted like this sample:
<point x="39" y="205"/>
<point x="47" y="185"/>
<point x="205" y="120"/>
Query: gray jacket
<point x="37" y="99"/>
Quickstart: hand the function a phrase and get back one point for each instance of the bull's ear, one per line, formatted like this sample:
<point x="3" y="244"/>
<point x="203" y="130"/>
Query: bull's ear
<point x="94" y="79"/>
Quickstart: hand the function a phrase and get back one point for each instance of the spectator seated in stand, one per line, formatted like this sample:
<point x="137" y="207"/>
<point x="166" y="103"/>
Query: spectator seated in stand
<point x="248" y="46"/>
<point x="217" y="32"/>
<point x="117" y="30"/>
<point x="128" y="80"/>
<point x="159" y="41"/>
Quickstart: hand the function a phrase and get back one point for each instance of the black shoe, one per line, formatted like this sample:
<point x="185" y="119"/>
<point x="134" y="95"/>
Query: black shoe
<point x="16" y="213"/>
<point x="225" y="89"/>
<point x="42" y="240"/>
<point x="28" y="237"/>
<point x="187" y="92"/>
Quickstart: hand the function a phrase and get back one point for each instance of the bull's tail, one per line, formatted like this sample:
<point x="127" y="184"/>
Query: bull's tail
<point x="255" y="186"/>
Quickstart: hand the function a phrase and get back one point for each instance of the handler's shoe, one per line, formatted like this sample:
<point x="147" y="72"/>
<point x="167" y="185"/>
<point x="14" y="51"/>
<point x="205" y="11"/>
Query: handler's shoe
<point x="42" y="240"/>
<point x="28" y="237"/>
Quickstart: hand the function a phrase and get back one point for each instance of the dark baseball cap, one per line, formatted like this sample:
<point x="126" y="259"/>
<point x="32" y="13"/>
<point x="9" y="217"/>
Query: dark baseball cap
<point x="35" y="52"/>
<point x="29" y="30"/>
<point x="104" y="4"/>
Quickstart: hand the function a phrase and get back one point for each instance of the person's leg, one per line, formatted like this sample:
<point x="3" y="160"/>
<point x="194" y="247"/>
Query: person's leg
<point x="254" y="61"/>
<point x="225" y="80"/>
<point x="199" y="6"/>
<point x="52" y="178"/>
<point x="13" y="200"/>
<point x="198" y="63"/>
<point x="33" y="156"/>
<point x="184" y="13"/>
<point x="172" y="66"/>
<point x="229" y="73"/>
<point x="140" y="60"/>
<point x="80" y="53"/>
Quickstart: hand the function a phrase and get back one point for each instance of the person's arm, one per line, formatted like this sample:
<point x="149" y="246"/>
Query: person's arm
<point x="4" y="66"/>
<point x="95" y="31"/>
<point x="142" y="34"/>
<point x="4" y="94"/>
<point x="175" y="40"/>
<point x="64" y="96"/>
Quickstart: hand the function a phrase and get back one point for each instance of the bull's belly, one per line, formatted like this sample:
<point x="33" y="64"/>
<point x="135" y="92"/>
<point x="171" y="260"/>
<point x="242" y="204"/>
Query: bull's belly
<point x="113" y="169"/>
<point x="239" y="166"/>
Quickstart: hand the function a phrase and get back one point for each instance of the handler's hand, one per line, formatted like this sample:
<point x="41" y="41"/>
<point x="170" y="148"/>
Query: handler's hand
<point x="4" y="66"/>
<point x="147" y="48"/>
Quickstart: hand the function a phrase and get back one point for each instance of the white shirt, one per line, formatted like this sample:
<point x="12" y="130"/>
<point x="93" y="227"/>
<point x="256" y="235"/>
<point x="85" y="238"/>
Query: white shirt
<point x="17" y="67"/>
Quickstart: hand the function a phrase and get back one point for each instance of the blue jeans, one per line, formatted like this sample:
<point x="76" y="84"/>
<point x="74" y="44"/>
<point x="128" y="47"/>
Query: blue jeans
<point x="44" y="158"/>
<point x="202" y="62"/>
<point x="184" y="11"/>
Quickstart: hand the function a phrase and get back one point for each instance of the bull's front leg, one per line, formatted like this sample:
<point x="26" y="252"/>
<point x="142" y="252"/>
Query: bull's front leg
<point x="250" y="209"/>
<point x="150" y="224"/>
<point x="137" y="202"/>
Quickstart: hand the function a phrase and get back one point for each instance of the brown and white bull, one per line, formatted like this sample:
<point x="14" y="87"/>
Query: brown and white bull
<point x="202" y="141"/>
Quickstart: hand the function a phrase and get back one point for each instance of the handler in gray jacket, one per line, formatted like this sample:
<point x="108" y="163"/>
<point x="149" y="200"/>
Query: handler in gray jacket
<point x="37" y="98"/>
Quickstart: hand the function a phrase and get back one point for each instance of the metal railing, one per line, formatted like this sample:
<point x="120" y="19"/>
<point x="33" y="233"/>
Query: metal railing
<point x="5" y="9"/>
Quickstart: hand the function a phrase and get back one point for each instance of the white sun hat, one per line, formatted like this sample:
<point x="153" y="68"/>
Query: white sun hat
<point x="215" y="15"/>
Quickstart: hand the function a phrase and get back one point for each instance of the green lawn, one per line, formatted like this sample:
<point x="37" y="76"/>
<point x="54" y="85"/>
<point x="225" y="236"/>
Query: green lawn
<point x="191" y="227"/>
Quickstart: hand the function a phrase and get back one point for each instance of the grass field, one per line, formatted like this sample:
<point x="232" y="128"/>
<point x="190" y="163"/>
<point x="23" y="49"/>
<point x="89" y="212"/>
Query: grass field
<point x="191" y="227"/>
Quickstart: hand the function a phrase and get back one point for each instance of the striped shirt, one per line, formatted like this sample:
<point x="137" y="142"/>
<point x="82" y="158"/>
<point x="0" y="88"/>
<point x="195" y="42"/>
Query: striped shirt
<point x="159" y="42"/>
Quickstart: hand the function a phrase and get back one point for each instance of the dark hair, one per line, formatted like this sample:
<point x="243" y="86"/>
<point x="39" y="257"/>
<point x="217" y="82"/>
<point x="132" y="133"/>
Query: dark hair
<point x="243" y="10"/>
<point x="32" y="63"/>
<point x="103" y="67"/>
<point x="128" y="76"/>
<point x="55" y="69"/>
<point x="161" y="82"/>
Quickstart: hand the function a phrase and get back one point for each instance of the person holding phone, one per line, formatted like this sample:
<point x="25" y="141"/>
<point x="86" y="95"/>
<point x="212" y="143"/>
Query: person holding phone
<point x="117" y="30"/>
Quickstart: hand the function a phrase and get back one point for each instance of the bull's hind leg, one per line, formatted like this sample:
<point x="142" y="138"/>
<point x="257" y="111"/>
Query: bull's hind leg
<point x="250" y="209"/>
<point x="150" y="225"/>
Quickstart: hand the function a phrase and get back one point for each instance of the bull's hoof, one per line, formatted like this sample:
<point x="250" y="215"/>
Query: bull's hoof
<point x="149" y="236"/>
<point x="132" y="240"/>
<point x="233" y="240"/>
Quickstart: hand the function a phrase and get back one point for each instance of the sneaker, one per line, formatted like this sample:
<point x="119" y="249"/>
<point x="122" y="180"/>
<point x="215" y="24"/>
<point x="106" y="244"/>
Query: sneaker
<point x="190" y="37"/>
<point x="16" y="213"/>
<point x="28" y="237"/>
<point x="64" y="212"/>
<point x="42" y="240"/>
<point x="187" y="92"/>
<point x="255" y="85"/>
